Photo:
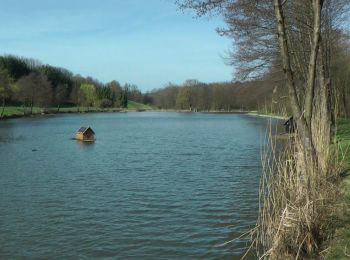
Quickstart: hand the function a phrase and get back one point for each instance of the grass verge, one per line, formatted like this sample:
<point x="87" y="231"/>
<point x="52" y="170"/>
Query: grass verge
<point x="340" y="245"/>
<point x="132" y="105"/>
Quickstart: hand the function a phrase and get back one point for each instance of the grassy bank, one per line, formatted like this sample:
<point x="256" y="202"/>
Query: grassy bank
<point x="18" y="111"/>
<point x="340" y="246"/>
<point x="15" y="111"/>
<point x="132" y="105"/>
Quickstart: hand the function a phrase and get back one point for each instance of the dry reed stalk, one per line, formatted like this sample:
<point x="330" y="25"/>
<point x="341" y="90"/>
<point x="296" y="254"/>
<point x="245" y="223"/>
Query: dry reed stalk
<point x="298" y="196"/>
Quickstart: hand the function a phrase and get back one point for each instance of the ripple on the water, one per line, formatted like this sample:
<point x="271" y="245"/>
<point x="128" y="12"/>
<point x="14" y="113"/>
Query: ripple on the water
<point x="153" y="186"/>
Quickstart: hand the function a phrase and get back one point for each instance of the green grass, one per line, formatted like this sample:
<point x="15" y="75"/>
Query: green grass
<point x="20" y="111"/>
<point x="12" y="110"/>
<point x="83" y="109"/>
<point x="343" y="140"/>
<point x="138" y="106"/>
<point x="340" y="246"/>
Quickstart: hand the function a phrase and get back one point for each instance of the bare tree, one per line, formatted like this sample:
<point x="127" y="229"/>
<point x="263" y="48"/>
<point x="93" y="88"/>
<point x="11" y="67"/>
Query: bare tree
<point x="302" y="47"/>
<point x="183" y="99"/>
<point x="34" y="89"/>
<point x="299" y="48"/>
<point x="61" y="93"/>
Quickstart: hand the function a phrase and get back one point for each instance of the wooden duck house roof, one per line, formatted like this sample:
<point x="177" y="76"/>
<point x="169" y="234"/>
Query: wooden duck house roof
<point x="84" y="129"/>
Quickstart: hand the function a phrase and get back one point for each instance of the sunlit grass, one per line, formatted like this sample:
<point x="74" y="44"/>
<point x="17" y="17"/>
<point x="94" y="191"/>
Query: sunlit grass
<point x="343" y="137"/>
<point x="340" y="247"/>
<point x="138" y="106"/>
<point x="18" y="111"/>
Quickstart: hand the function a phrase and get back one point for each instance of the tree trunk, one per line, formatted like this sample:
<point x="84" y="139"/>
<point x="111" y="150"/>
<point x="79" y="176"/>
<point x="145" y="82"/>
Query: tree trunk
<point x="345" y="97"/>
<point x="31" y="107"/>
<point x="310" y="89"/>
<point x="288" y="73"/>
<point x="321" y="127"/>
<point x="24" y="108"/>
<point x="3" y="107"/>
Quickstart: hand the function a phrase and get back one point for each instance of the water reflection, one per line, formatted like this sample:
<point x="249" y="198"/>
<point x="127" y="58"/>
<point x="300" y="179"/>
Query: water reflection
<point x="85" y="144"/>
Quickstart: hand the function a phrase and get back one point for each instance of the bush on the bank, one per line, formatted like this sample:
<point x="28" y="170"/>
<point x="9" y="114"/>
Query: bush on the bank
<point x="105" y="103"/>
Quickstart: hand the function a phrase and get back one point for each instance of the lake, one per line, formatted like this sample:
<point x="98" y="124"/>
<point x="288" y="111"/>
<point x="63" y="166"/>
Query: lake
<point x="152" y="186"/>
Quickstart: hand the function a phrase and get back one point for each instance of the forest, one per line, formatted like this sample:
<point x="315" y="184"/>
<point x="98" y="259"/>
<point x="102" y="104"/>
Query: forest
<point x="28" y="83"/>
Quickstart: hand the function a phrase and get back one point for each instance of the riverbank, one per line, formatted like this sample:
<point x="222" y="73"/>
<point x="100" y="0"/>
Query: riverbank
<point x="19" y="112"/>
<point x="245" y="112"/>
<point x="271" y="115"/>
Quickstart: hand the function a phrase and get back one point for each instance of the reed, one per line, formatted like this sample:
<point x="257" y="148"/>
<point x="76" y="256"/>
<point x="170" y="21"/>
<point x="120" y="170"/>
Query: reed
<point x="298" y="198"/>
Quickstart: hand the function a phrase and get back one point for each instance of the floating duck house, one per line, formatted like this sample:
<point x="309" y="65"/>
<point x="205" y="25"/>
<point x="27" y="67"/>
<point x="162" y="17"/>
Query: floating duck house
<point x="85" y="134"/>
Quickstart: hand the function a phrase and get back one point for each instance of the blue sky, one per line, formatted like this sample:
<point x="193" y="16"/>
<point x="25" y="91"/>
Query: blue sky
<point x="145" y="42"/>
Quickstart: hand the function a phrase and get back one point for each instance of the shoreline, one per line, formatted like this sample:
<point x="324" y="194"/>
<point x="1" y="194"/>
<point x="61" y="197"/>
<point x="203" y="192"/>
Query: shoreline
<point x="245" y="112"/>
<point x="74" y="111"/>
<point x="118" y="110"/>
<point x="255" y="113"/>
<point x="43" y="114"/>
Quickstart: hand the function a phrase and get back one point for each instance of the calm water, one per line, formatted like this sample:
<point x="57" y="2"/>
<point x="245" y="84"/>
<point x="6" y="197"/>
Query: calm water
<point x="152" y="186"/>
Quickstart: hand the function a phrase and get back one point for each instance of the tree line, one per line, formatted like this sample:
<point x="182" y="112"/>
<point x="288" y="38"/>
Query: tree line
<point x="28" y="83"/>
<point x="257" y="53"/>
<point x="264" y="91"/>
<point x="260" y="76"/>
<point x="192" y="95"/>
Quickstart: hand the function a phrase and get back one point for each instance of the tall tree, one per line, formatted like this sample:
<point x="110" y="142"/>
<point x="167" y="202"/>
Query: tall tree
<point x="183" y="99"/>
<point x="115" y="90"/>
<point x="89" y="92"/>
<point x="299" y="48"/>
<point x="61" y="95"/>
<point x="5" y="88"/>
<point x="123" y="98"/>
<point x="34" y="89"/>
<point x="340" y="71"/>
<point x="302" y="49"/>
<point x="17" y="67"/>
